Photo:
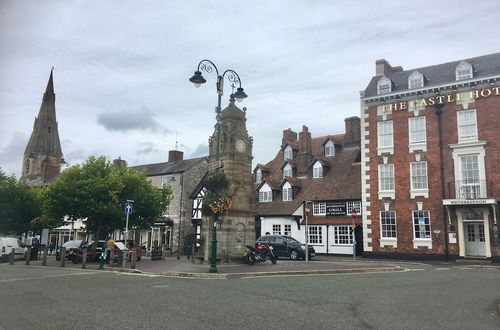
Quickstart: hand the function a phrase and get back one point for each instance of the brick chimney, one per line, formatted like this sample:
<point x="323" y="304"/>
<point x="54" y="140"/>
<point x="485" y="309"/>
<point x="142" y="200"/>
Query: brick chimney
<point x="352" y="132"/>
<point x="119" y="161"/>
<point x="175" y="156"/>
<point x="288" y="136"/>
<point x="304" y="156"/>
<point x="383" y="67"/>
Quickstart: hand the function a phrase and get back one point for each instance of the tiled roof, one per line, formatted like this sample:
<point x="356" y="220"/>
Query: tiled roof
<point x="440" y="74"/>
<point x="168" y="167"/>
<point x="342" y="180"/>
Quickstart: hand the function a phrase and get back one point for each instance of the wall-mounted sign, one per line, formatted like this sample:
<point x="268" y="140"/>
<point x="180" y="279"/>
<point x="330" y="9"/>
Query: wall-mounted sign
<point x="336" y="209"/>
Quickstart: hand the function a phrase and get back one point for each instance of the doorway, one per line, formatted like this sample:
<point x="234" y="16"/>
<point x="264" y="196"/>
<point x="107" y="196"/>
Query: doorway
<point x="475" y="240"/>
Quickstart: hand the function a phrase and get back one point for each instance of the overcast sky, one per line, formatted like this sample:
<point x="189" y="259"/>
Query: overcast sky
<point x="122" y="67"/>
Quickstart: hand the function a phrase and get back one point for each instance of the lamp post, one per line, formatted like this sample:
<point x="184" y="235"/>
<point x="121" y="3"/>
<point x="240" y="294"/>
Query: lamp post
<point x="307" y="229"/>
<point x="197" y="79"/>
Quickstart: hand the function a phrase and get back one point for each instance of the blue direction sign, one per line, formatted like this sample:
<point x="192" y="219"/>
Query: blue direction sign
<point x="128" y="208"/>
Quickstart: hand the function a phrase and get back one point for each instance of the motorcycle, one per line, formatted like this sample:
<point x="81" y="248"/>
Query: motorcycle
<point x="261" y="252"/>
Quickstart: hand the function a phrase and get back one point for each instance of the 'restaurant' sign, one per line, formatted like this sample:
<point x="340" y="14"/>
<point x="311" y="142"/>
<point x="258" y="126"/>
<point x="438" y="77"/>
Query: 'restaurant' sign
<point x="336" y="209"/>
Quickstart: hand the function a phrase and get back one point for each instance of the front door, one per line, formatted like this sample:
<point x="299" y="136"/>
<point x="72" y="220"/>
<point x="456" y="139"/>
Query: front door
<point x="475" y="245"/>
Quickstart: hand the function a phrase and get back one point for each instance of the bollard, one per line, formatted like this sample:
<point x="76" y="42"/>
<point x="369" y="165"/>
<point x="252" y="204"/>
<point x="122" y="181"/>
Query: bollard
<point x="84" y="259"/>
<point x="134" y="258"/>
<point x="28" y="255"/>
<point x="124" y="257"/>
<point x="63" y="257"/>
<point x="163" y="252"/>
<point x="102" y="260"/>
<point x="12" y="254"/>
<point x="193" y="250"/>
<point x="44" y="256"/>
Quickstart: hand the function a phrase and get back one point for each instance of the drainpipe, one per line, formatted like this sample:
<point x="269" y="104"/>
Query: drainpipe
<point x="439" y="113"/>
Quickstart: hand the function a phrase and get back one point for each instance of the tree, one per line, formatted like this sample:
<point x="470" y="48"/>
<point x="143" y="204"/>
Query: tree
<point x="97" y="191"/>
<point x="19" y="205"/>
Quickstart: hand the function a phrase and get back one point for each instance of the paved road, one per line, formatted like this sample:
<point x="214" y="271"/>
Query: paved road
<point x="426" y="297"/>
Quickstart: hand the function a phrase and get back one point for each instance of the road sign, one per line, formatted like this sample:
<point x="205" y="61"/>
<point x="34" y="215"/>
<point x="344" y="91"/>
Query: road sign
<point x="353" y="226"/>
<point x="128" y="208"/>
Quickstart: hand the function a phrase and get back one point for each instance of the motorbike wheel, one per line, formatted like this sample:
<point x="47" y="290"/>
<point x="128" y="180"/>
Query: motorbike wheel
<point x="273" y="260"/>
<point x="250" y="259"/>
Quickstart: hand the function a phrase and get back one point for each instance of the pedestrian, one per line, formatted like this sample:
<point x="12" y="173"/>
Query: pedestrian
<point x="51" y="247"/>
<point x="110" y="244"/>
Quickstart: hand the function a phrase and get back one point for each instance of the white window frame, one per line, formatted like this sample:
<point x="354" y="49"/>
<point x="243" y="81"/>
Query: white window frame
<point x="288" y="153"/>
<point x="470" y="186"/>
<point x="329" y="149"/>
<point x="317" y="170"/>
<point x="427" y="233"/>
<point x="464" y="71"/>
<point x="166" y="213"/>
<point x="353" y="205"/>
<point x="384" y="85"/>
<point x="464" y="149"/>
<point x="342" y="235"/>
<point x="467" y="125"/>
<point x="386" y="181"/>
<point x="417" y="130"/>
<point x="287" y="171"/>
<point x="415" y="80"/>
<point x="319" y="208"/>
<point x="287" y="192"/>
<point x="287" y="230"/>
<point x="276" y="229"/>
<point x="258" y="176"/>
<point x="315" y="234"/>
<point x="388" y="225"/>
<point x="265" y="194"/>
<point x="166" y="180"/>
<point x="419" y="179"/>
<point x="385" y="137"/>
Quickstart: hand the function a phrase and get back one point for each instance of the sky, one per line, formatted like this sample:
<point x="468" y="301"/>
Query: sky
<point x="121" y="68"/>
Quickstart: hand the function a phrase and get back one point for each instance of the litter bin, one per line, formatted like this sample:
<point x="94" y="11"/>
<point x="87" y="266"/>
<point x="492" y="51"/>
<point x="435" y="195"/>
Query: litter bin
<point x="34" y="251"/>
<point x="156" y="253"/>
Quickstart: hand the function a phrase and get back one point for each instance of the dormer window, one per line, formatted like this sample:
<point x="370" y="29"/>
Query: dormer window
<point x="258" y="176"/>
<point x="384" y="85"/>
<point x="288" y="153"/>
<point x="287" y="192"/>
<point x="265" y="194"/>
<point x="415" y="80"/>
<point x="463" y="71"/>
<point x="329" y="149"/>
<point x="317" y="170"/>
<point x="287" y="171"/>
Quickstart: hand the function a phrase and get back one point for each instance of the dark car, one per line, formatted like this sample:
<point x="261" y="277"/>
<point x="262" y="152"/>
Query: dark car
<point x="286" y="246"/>
<point x="70" y="247"/>
<point x="101" y="245"/>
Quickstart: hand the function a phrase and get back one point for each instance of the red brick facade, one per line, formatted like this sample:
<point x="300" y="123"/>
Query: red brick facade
<point x="462" y="212"/>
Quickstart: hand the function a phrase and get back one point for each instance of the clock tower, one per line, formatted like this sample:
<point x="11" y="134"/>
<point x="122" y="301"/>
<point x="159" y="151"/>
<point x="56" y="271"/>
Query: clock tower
<point x="236" y="227"/>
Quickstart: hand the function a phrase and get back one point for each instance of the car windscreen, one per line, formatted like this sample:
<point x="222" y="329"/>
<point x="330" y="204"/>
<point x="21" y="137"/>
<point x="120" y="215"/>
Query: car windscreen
<point x="72" y="244"/>
<point x="290" y="240"/>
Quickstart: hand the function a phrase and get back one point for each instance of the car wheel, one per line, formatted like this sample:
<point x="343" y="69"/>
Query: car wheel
<point x="294" y="254"/>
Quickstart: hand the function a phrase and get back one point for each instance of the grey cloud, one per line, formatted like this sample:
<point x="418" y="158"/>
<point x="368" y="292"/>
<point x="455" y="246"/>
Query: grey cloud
<point x="146" y="148"/>
<point x="11" y="156"/>
<point x="200" y="151"/>
<point x="141" y="120"/>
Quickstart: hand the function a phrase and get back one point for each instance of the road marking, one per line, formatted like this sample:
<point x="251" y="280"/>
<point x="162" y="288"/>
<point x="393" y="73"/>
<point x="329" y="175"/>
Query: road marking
<point x="417" y="270"/>
<point x="443" y="268"/>
<point x="466" y="268"/>
<point x="44" y="277"/>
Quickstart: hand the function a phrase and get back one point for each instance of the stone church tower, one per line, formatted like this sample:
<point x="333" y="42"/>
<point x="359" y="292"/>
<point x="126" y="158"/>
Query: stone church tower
<point x="43" y="156"/>
<point x="237" y="226"/>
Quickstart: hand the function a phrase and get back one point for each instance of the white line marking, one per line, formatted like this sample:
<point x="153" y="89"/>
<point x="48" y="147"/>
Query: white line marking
<point x="443" y="268"/>
<point x="44" y="277"/>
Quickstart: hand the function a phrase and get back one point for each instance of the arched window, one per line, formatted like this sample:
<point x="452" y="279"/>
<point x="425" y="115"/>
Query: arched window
<point x="317" y="170"/>
<point x="463" y="71"/>
<point x="384" y="85"/>
<point x="258" y="176"/>
<point x="287" y="171"/>
<point x="265" y="194"/>
<point x="329" y="149"/>
<point x="415" y="80"/>
<point x="288" y="153"/>
<point x="287" y="192"/>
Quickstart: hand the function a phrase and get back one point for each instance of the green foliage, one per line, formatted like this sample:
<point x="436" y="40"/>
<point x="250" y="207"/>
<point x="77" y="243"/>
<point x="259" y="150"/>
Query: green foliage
<point x="97" y="191"/>
<point x="217" y="199"/>
<point x="19" y="205"/>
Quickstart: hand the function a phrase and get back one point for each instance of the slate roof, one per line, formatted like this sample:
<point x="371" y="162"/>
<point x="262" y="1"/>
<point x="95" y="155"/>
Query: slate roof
<point x="168" y="167"/>
<point x="342" y="180"/>
<point x="439" y="74"/>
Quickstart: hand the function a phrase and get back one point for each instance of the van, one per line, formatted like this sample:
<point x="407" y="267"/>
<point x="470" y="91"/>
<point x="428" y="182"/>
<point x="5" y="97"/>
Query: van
<point x="6" y="245"/>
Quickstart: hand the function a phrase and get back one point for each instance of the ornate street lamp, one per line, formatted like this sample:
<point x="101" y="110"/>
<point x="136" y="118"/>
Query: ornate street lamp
<point x="197" y="79"/>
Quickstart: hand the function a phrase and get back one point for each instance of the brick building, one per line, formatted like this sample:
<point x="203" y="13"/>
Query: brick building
<point x="324" y="171"/>
<point x="430" y="149"/>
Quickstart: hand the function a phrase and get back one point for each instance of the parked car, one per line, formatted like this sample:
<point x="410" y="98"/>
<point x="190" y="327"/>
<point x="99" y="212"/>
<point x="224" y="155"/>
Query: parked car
<point x="101" y="246"/>
<point x="6" y="245"/>
<point x="70" y="246"/>
<point x="286" y="246"/>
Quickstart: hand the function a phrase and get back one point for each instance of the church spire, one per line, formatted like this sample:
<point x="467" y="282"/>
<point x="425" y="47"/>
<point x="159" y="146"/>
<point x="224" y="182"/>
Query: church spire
<point x="42" y="156"/>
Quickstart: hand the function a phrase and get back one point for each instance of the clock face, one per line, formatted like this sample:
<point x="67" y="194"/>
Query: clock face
<point x="240" y="145"/>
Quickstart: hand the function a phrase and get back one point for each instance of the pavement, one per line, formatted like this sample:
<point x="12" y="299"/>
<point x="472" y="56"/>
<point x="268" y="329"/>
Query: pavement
<point x="184" y="267"/>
